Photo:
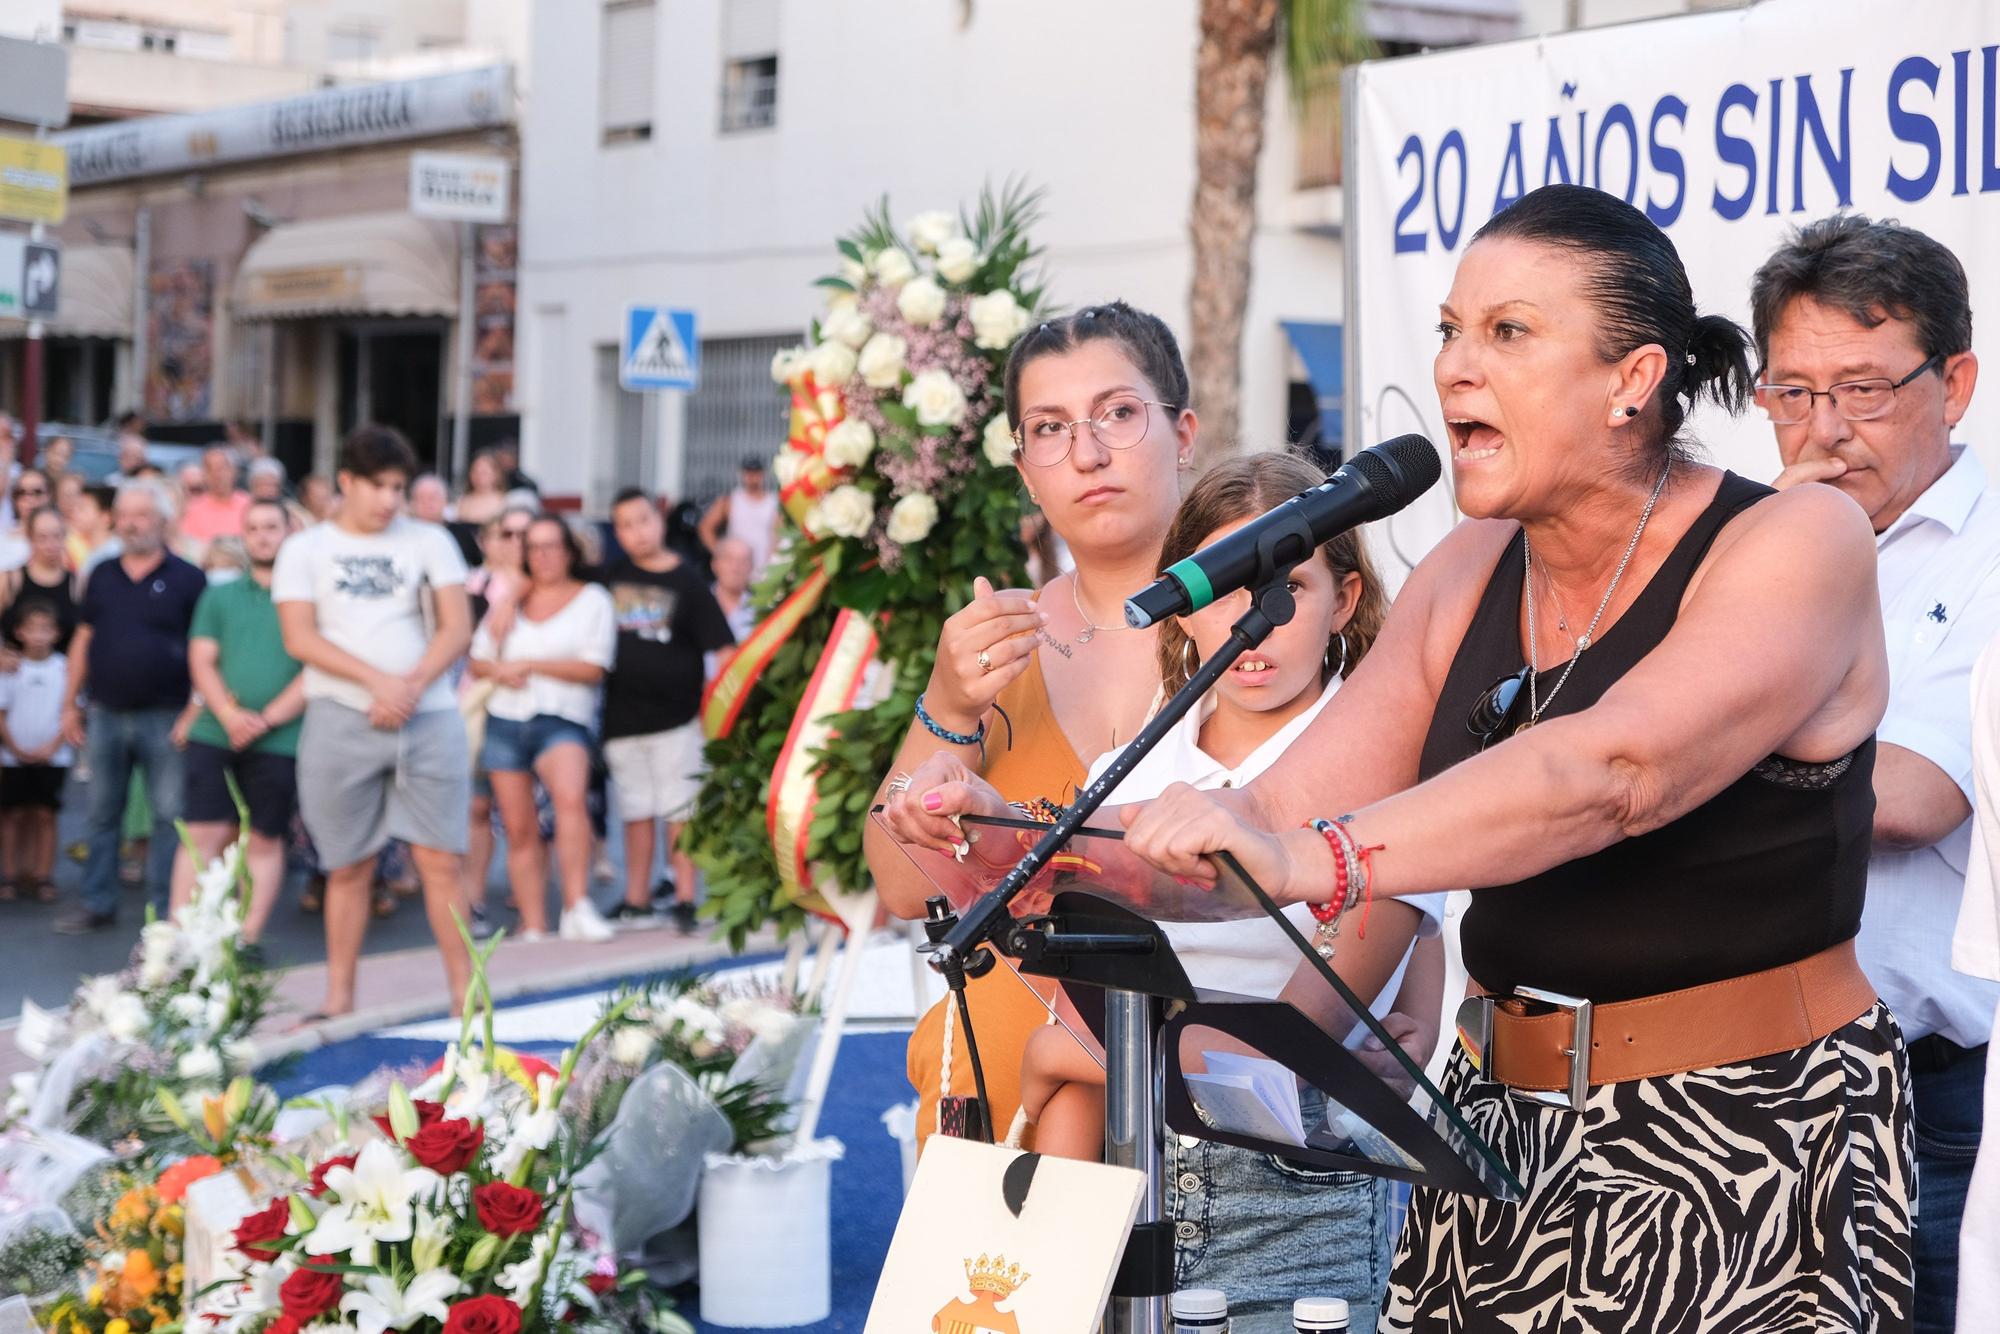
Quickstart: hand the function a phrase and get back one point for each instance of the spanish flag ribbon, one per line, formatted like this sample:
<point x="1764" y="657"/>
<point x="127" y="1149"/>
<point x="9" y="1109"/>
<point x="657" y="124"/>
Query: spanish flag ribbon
<point x="835" y="685"/>
<point x="724" y="697"/>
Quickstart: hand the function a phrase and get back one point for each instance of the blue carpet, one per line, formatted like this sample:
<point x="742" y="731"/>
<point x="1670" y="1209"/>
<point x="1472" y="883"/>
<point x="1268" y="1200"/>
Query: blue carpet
<point x="868" y="1079"/>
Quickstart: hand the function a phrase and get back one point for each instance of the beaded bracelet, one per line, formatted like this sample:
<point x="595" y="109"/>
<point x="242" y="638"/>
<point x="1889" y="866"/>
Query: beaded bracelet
<point x="1328" y="914"/>
<point x="943" y="733"/>
<point x="1357" y="869"/>
<point x="1041" y="810"/>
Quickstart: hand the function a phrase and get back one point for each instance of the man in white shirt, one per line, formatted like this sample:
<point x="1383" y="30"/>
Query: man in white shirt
<point x="383" y="751"/>
<point x="1864" y="330"/>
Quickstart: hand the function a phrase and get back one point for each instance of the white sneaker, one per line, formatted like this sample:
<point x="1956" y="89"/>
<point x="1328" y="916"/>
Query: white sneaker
<point x="585" y="923"/>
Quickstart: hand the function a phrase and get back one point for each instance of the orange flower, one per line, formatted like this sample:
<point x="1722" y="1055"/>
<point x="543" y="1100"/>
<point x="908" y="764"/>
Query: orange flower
<point x="175" y="1181"/>
<point x="141" y="1278"/>
<point x="133" y="1210"/>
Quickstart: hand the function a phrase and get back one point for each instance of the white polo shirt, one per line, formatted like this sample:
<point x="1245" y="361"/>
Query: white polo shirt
<point x="1250" y="956"/>
<point x="1938" y="570"/>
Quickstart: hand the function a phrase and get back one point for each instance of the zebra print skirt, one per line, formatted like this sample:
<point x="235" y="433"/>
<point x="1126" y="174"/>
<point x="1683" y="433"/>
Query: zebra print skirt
<point x="1773" y="1195"/>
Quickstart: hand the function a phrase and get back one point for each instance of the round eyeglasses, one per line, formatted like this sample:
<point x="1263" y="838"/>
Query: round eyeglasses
<point x="1856" y="400"/>
<point x="1045" y="439"/>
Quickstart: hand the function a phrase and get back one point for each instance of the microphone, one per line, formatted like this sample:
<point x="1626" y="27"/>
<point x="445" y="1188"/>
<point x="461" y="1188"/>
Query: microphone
<point x="1372" y="485"/>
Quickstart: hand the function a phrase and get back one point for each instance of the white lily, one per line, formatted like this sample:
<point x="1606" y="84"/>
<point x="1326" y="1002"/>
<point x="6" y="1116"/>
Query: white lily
<point x="528" y="1130"/>
<point x="372" y="1202"/>
<point x="381" y="1305"/>
<point x="433" y="1234"/>
<point x="38" y="1032"/>
<point x="517" y="1280"/>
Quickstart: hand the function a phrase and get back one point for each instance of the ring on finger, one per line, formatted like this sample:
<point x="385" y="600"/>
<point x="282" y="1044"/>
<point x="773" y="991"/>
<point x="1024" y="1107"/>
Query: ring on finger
<point x="898" y="785"/>
<point x="985" y="662"/>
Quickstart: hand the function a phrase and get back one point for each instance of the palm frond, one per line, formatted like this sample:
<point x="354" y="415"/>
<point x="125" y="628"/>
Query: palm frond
<point x="1320" y="36"/>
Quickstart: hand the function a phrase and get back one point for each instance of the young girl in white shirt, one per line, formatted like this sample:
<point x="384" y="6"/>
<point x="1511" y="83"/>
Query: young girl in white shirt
<point x="1258" y="1221"/>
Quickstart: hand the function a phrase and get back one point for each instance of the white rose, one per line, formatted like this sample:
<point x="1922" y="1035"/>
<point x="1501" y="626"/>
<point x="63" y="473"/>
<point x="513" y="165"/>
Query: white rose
<point x="846" y="324"/>
<point x="921" y="301"/>
<point x="997" y="319"/>
<point x="837" y="299"/>
<point x="631" y="1045"/>
<point x="912" y="518"/>
<point x="199" y="1063"/>
<point x="787" y="364"/>
<point x="892" y="267"/>
<point x="881" y="361"/>
<point x="957" y="260"/>
<point x="125" y="1018"/>
<point x="928" y="231"/>
<point x="832" y="364"/>
<point x="786" y="467"/>
<point x="849" y="444"/>
<point x="936" y="399"/>
<point x="188" y="1008"/>
<point x="852" y="273"/>
<point x="847" y="511"/>
<point x="997" y="442"/>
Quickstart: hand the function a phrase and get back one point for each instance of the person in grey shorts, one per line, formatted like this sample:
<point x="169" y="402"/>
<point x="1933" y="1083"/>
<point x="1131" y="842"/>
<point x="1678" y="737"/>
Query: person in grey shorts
<point x="383" y="754"/>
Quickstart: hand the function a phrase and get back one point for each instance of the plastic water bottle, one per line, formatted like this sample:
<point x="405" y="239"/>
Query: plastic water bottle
<point x="1200" y="1311"/>
<point x="1319" y="1315"/>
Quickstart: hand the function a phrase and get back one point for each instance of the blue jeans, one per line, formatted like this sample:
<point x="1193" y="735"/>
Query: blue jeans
<point x="1947" y="1087"/>
<point x="1266" y="1231"/>
<point x="115" y="741"/>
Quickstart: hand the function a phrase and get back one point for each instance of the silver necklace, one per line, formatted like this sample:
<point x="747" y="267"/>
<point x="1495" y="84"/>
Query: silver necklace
<point x="1536" y="708"/>
<point x="1090" y="627"/>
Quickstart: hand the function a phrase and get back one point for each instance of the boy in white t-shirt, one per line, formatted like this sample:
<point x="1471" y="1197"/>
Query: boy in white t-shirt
<point x="36" y="757"/>
<point x="383" y="752"/>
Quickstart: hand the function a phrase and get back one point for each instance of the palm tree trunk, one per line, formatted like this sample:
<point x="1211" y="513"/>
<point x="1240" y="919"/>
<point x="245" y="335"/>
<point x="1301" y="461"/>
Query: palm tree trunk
<point x="1232" y="71"/>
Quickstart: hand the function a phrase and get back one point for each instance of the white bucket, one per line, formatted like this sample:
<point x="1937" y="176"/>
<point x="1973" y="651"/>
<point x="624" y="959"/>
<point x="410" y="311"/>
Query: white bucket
<point x="765" y="1228"/>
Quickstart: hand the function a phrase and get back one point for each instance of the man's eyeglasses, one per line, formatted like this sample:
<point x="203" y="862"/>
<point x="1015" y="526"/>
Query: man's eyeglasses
<point x="1045" y="439"/>
<point x="29" y="492"/>
<point x="1493" y="716"/>
<point x="1856" y="400"/>
<point x="511" y="534"/>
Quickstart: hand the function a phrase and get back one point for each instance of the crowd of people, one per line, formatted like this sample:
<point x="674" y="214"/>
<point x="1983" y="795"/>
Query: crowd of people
<point x="1704" y="750"/>
<point x="382" y="678"/>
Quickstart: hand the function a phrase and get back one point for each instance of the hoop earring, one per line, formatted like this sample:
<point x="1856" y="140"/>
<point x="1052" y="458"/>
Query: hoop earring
<point x="1336" y="668"/>
<point x="1190" y="659"/>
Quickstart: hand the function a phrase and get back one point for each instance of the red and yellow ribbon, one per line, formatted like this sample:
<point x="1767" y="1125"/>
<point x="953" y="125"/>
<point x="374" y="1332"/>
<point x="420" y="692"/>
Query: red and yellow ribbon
<point x="836" y="683"/>
<point x="815" y="411"/>
<point x="724" y="697"/>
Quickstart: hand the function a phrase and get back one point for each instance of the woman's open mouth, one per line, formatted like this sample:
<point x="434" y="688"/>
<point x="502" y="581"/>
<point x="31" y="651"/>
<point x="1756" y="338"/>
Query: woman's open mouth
<point x="1472" y="439"/>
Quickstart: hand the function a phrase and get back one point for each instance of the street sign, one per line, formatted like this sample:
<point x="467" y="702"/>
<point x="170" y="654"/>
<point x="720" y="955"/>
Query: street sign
<point x="34" y="82"/>
<point x="41" y="269"/>
<point x="660" y="350"/>
<point x="34" y="181"/>
<point x="459" y="187"/>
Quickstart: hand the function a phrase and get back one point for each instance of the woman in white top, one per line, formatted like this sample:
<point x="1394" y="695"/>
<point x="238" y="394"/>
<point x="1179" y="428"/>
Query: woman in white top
<point x="538" y="725"/>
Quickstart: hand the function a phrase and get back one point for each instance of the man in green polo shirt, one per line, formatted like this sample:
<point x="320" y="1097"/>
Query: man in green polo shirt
<point x="251" y="698"/>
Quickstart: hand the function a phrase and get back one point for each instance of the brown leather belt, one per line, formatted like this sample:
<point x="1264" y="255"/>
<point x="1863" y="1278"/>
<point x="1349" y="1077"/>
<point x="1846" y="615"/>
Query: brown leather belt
<point x="1533" y="1041"/>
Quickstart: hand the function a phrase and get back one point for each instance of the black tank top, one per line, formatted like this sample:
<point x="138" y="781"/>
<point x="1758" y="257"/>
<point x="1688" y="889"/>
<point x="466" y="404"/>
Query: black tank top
<point x="1769" y="871"/>
<point x="58" y="597"/>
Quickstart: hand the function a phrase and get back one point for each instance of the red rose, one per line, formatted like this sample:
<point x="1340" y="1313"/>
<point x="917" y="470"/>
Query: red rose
<point x="507" y="1211"/>
<point x="318" y="1186"/>
<point x="490" y="1314"/>
<point x="309" y="1293"/>
<point x="601" y="1283"/>
<point x="267" y="1224"/>
<point x="446" y="1146"/>
<point x="284" y="1324"/>
<point x="428" y="1113"/>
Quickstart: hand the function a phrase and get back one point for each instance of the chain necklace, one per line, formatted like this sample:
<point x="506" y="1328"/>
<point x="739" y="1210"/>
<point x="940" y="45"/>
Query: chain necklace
<point x="1536" y="708"/>
<point x="1090" y="627"/>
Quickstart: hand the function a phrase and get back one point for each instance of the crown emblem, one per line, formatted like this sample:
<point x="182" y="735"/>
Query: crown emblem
<point x="994" y="1275"/>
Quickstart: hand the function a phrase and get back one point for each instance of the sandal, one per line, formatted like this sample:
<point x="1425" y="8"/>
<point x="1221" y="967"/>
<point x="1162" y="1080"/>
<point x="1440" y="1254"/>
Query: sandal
<point x="312" y="898"/>
<point x="46" y="891"/>
<point x="385" y="902"/>
<point x="8" y="891"/>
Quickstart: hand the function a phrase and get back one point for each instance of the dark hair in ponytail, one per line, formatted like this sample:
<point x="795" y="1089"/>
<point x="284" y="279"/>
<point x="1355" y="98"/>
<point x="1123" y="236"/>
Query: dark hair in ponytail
<point x="1242" y="488"/>
<point x="1641" y="292"/>
<point x="1145" y="338"/>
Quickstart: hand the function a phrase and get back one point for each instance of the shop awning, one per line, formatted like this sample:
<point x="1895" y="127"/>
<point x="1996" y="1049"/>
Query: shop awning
<point x="1320" y="347"/>
<point x="366" y="264"/>
<point x="93" y="296"/>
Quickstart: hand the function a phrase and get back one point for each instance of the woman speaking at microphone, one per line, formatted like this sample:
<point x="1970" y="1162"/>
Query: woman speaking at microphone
<point x="1631" y="702"/>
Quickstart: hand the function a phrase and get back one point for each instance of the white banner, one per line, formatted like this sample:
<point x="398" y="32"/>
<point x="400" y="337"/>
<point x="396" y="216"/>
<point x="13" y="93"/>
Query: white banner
<point x="1728" y="128"/>
<point x="460" y="187"/>
<point x="370" y="113"/>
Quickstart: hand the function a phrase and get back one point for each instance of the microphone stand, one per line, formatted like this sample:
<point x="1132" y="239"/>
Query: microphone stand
<point x="1134" y="1065"/>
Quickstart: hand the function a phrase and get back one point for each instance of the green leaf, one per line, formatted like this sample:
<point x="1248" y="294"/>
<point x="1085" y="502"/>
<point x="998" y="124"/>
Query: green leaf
<point x="840" y="284"/>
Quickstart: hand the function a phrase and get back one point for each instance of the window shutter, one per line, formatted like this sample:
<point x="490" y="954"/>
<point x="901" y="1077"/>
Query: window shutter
<point x="626" y="67"/>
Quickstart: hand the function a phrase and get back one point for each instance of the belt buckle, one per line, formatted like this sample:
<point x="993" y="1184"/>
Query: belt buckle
<point x="1572" y="1098"/>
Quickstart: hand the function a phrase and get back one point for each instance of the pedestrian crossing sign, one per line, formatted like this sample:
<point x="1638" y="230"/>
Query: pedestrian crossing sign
<point x="660" y="349"/>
